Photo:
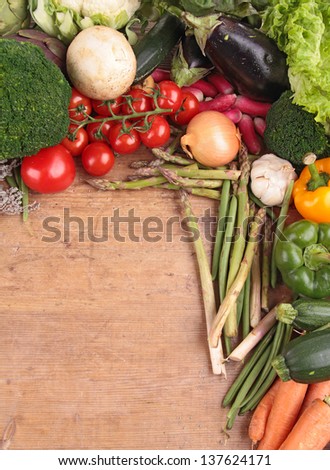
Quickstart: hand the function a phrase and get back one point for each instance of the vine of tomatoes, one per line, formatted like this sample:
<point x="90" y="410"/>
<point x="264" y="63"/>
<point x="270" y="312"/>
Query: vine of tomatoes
<point x="99" y="130"/>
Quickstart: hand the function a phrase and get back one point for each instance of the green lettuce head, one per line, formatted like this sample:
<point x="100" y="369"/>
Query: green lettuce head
<point x="14" y="16"/>
<point x="65" y="18"/>
<point x="301" y="29"/>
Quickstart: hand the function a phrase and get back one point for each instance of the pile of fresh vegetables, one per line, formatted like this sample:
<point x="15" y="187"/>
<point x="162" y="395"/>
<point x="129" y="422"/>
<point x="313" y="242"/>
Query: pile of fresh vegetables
<point x="233" y="103"/>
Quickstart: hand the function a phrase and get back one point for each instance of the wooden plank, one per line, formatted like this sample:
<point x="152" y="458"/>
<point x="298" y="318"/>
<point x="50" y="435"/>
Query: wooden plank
<point x="103" y="343"/>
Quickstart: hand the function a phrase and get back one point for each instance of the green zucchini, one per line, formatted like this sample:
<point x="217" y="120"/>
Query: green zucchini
<point x="305" y="359"/>
<point x="306" y="314"/>
<point x="156" y="45"/>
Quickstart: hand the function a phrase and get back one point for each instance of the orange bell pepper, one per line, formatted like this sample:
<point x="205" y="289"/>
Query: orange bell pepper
<point x="311" y="191"/>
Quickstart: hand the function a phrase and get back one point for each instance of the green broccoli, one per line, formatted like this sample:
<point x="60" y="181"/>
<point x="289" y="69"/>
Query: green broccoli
<point x="35" y="97"/>
<point x="291" y="132"/>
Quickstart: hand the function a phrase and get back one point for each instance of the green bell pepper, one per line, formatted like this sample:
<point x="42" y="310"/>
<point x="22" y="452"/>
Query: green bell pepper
<point x="302" y="255"/>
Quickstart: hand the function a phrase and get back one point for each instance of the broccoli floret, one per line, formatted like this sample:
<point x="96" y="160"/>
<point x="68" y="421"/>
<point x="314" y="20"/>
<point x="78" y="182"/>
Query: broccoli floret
<point x="35" y="97"/>
<point x="291" y="132"/>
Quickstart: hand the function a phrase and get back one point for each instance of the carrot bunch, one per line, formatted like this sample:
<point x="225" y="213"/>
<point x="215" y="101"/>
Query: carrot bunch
<point x="292" y="416"/>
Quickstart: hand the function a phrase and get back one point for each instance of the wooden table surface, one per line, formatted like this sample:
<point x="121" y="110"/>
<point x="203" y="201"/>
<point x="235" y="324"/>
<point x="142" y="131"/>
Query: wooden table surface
<point x="103" y="342"/>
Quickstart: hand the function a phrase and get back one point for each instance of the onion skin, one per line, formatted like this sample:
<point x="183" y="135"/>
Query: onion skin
<point x="212" y="139"/>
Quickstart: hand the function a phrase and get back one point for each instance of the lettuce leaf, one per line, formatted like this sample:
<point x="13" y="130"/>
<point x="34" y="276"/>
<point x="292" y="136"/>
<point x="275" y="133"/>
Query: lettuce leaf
<point x="301" y="28"/>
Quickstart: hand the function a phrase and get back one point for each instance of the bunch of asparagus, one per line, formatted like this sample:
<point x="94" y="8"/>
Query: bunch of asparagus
<point x="235" y="287"/>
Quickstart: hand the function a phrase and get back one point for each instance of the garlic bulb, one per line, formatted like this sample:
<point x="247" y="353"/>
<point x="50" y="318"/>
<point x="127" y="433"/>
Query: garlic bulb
<point x="270" y="177"/>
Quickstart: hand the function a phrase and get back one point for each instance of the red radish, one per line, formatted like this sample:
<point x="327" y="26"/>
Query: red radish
<point x="248" y="133"/>
<point x="234" y="114"/>
<point x="221" y="83"/>
<point x="252" y="107"/>
<point x="260" y="125"/>
<point x="219" y="103"/>
<point x="207" y="88"/>
<point x="160" y="74"/>
<point x="195" y="91"/>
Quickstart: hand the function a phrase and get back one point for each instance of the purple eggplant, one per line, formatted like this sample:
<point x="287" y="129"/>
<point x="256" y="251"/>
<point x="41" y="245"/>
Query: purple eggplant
<point x="248" y="58"/>
<point x="192" y="53"/>
<point x="189" y="64"/>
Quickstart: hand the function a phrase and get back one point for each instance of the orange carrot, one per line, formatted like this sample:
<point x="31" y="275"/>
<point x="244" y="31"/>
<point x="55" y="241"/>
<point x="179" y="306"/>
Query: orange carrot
<point x="317" y="390"/>
<point x="312" y="430"/>
<point x="283" y="415"/>
<point x="260" y="415"/>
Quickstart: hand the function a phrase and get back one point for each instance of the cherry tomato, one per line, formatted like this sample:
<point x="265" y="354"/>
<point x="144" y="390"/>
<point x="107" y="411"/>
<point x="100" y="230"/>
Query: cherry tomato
<point x="104" y="108"/>
<point x="139" y="100"/>
<point x="188" y="109"/>
<point x="170" y="96"/>
<point x="97" y="159"/>
<point x="124" y="141"/>
<point x="99" y="131"/>
<point x="50" y="170"/>
<point x="158" y="133"/>
<point x="77" y="142"/>
<point x="79" y="104"/>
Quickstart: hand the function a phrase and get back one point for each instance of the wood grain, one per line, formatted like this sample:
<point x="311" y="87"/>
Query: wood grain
<point x="103" y="343"/>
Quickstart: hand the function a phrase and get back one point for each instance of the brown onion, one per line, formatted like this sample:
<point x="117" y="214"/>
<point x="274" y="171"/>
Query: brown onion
<point x="211" y="138"/>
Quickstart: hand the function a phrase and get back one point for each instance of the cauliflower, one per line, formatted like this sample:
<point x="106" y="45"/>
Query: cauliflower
<point x="64" y="19"/>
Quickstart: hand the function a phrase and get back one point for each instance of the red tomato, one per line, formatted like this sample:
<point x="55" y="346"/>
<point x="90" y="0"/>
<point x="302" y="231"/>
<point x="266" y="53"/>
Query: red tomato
<point x="124" y="141"/>
<point x="188" y="109"/>
<point x="99" y="131"/>
<point x="170" y="96"/>
<point x="104" y="108"/>
<point x="158" y="133"/>
<point x="79" y="105"/>
<point x="77" y="142"/>
<point x="139" y="101"/>
<point x="97" y="159"/>
<point x="50" y="170"/>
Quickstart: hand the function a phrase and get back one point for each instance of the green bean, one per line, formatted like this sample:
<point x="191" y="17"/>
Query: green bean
<point x="248" y="367"/>
<point x="254" y="400"/>
<point x="244" y="389"/>
<point x="274" y="349"/>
